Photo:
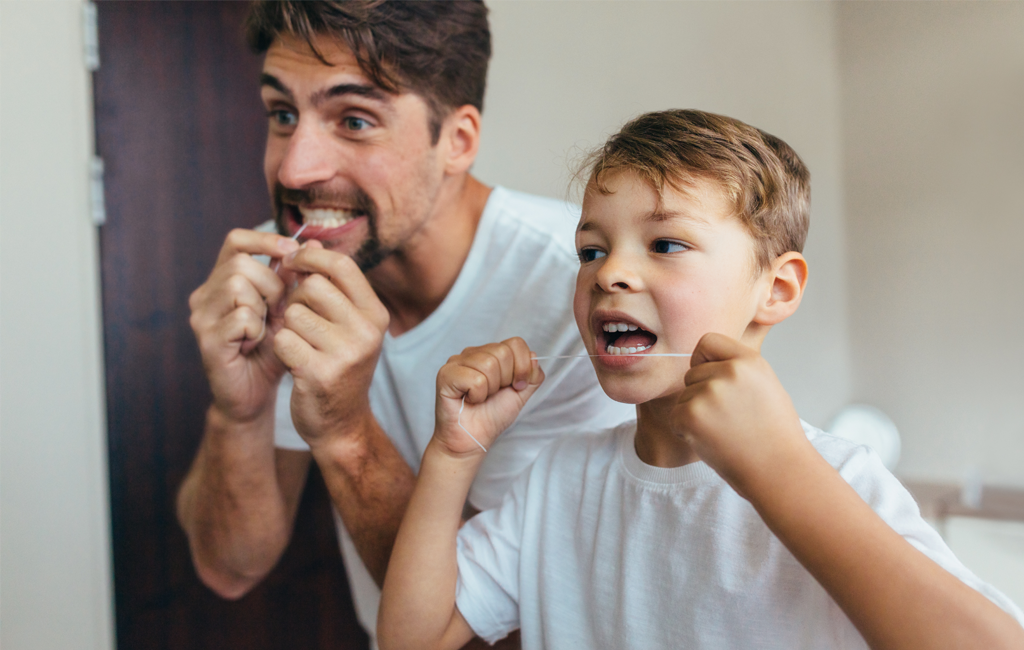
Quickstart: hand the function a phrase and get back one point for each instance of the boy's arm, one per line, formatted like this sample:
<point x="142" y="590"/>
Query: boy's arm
<point x="737" y="417"/>
<point x="418" y="599"/>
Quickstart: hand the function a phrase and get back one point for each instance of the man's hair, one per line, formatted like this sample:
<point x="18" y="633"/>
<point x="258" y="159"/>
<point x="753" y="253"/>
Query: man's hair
<point x="764" y="178"/>
<point x="436" y="49"/>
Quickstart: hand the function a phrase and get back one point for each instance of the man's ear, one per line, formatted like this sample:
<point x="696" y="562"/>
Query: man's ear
<point x="787" y="278"/>
<point x="460" y="136"/>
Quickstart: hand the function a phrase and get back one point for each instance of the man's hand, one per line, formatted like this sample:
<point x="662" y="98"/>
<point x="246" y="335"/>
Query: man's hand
<point x="333" y="329"/>
<point x="736" y="415"/>
<point x="231" y="324"/>
<point x="495" y="380"/>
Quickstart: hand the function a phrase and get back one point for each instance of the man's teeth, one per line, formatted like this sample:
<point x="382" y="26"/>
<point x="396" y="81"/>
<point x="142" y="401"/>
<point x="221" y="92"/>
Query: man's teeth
<point x="325" y="217"/>
<point x="614" y="350"/>
<point x="619" y="327"/>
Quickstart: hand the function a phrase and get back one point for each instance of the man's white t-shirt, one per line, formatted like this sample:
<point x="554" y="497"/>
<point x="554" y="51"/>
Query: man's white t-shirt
<point x="593" y="548"/>
<point x="518" y="280"/>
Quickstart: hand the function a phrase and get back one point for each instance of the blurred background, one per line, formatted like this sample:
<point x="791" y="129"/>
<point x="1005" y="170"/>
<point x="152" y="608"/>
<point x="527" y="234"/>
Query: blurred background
<point x="910" y="116"/>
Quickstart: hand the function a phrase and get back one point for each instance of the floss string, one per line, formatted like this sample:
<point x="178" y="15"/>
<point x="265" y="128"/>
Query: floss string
<point x="567" y="356"/>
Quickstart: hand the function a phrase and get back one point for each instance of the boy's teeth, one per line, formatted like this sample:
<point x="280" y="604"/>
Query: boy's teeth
<point x="325" y="217"/>
<point x="614" y="350"/>
<point x="619" y="327"/>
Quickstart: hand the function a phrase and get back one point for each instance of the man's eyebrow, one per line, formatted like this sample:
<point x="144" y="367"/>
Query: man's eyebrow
<point x="360" y="90"/>
<point x="275" y="83"/>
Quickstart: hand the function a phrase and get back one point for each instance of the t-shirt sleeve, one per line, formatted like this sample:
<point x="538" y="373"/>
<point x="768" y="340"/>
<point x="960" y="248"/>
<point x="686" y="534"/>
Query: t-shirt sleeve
<point x="864" y="471"/>
<point x="488" y="548"/>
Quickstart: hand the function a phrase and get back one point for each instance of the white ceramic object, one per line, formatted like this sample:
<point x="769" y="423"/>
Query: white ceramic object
<point x="869" y="426"/>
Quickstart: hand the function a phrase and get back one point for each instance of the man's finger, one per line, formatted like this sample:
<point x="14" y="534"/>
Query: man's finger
<point x="339" y="269"/>
<point x="254" y="242"/>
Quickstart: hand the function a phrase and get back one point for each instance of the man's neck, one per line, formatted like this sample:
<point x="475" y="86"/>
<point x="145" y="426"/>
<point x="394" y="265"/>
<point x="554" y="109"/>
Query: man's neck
<point x="412" y="282"/>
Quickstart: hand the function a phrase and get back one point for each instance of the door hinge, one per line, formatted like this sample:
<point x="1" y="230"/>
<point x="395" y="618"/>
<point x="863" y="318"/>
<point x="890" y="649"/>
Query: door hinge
<point x="91" y="37"/>
<point x="97" y="202"/>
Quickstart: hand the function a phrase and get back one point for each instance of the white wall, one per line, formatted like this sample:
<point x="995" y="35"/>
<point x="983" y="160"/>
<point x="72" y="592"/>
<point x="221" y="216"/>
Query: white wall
<point x="933" y="106"/>
<point x="55" y="584"/>
<point x="565" y="75"/>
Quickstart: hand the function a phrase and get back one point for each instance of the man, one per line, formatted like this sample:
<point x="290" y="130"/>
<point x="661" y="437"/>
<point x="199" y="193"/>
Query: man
<point x="330" y="353"/>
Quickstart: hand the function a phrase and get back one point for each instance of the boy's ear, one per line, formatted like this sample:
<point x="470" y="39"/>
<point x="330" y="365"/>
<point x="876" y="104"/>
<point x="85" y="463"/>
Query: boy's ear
<point x="460" y="138"/>
<point x="787" y="278"/>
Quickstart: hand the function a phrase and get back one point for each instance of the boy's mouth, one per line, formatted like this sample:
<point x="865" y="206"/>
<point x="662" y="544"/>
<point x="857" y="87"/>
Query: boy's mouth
<point x="619" y="337"/>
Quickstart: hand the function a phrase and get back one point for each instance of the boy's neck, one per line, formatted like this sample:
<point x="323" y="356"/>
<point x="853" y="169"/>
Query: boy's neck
<point x="656" y="443"/>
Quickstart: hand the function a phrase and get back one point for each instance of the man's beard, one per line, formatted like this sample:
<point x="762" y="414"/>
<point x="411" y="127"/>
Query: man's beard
<point x="371" y="252"/>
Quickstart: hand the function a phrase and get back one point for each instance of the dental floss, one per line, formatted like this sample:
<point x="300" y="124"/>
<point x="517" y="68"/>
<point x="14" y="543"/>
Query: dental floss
<point x="568" y="356"/>
<point x="277" y="266"/>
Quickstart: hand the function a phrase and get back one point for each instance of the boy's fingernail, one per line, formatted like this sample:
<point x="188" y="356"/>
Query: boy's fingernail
<point x="520" y="385"/>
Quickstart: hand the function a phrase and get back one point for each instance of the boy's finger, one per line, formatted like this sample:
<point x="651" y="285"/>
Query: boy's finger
<point x="523" y="362"/>
<point x="716" y="347"/>
<point x="701" y="373"/>
<point x="457" y="380"/>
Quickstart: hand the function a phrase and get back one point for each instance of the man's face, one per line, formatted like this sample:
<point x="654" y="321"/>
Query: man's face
<point x="656" y="274"/>
<point x="352" y="163"/>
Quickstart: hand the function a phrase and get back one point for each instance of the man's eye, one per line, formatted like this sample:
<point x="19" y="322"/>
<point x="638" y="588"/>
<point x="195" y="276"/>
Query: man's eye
<point x="590" y="254"/>
<point x="669" y="246"/>
<point x="355" y="123"/>
<point x="283" y="117"/>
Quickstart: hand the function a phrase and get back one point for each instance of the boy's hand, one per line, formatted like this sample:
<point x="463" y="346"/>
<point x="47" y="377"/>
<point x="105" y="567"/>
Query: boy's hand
<point x="496" y="380"/>
<point x="736" y="415"/>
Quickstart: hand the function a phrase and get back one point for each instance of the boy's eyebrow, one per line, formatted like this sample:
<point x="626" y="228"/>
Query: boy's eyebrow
<point x="659" y="215"/>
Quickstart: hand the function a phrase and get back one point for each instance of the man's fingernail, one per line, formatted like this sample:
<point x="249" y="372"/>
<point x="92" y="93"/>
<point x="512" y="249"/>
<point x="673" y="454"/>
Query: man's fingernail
<point x="520" y="385"/>
<point x="287" y="245"/>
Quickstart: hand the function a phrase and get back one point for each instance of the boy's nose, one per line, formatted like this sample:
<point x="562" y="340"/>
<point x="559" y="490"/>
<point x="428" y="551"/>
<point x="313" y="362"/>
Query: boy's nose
<point x="307" y="159"/>
<point x="617" y="274"/>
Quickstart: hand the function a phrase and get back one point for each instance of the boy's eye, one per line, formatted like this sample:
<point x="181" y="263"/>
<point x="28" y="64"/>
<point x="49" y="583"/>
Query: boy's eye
<point x="355" y="123"/>
<point x="668" y="246"/>
<point x="590" y="254"/>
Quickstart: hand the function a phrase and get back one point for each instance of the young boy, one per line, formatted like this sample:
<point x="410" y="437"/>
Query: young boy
<point x="718" y="519"/>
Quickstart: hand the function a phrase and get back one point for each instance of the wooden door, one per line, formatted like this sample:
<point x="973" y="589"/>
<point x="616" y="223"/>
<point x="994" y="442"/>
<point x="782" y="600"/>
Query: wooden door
<point x="181" y="131"/>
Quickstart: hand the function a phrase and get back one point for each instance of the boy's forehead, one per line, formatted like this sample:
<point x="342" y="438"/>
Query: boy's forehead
<point x="624" y="194"/>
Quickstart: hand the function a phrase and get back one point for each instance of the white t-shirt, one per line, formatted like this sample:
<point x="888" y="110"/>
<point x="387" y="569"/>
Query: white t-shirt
<point x="593" y="548"/>
<point x="518" y="280"/>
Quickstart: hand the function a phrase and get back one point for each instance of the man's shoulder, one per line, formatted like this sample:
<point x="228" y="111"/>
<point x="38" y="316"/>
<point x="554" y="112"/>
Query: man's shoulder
<point x="545" y="218"/>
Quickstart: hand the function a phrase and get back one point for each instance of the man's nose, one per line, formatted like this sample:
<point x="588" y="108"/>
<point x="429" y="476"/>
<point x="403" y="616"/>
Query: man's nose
<point x="307" y="160"/>
<point x="618" y="273"/>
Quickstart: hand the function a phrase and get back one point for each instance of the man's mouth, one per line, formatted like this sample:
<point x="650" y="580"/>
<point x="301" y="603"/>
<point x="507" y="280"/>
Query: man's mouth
<point x="325" y="217"/>
<point x="621" y="337"/>
<point x="318" y="222"/>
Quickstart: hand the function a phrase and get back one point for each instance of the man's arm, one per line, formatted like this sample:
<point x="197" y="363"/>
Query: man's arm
<point x="737" y="417"/>
<point x="238" y="504"/>
<point x="238" y="501"/>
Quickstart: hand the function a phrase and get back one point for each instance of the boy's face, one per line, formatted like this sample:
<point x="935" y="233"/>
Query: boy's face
<point x="667" y="269"/>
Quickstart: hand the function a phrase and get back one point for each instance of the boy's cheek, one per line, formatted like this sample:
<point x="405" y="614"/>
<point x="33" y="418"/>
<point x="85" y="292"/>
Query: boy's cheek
<point x="581" y="310"/>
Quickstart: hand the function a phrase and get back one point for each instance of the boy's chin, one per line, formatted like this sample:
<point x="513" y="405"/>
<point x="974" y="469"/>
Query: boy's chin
<point x="628" y="392"/>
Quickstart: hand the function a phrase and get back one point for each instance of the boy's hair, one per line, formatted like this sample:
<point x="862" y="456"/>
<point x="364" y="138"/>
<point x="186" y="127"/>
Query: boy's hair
<point x="438" y="50"/>
<point x="767" y="182"/>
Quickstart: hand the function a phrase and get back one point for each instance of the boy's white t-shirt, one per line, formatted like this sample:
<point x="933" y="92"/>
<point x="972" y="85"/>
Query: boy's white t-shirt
<point x="593" y="548"/>
<point x="518" y="280"/>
